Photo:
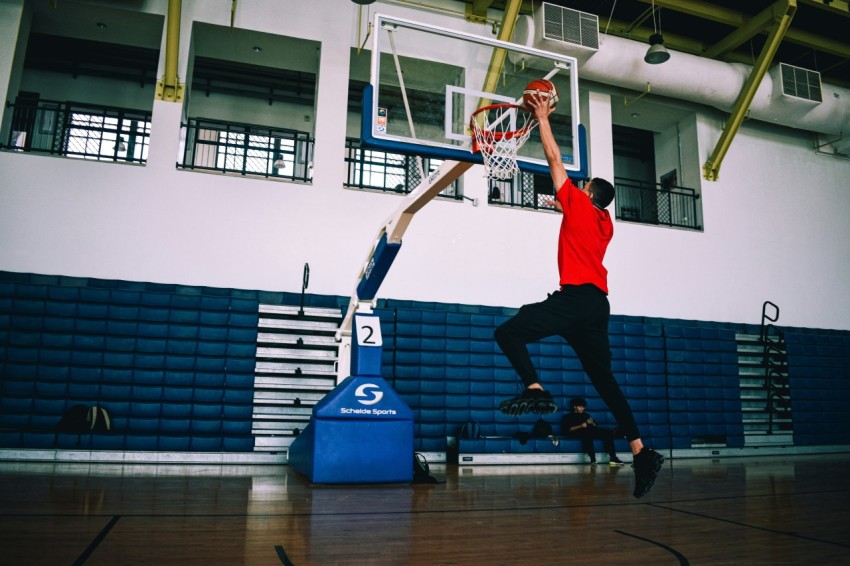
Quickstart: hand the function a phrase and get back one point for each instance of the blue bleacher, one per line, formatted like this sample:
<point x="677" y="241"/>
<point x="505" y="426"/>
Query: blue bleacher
<point x="88" y="341"/>
<point x="698" y="361"/>
<point x="186" y="356"/>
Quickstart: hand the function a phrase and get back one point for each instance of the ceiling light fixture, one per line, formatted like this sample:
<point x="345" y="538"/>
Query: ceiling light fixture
<point x="657" y="53"/>
<point x="257" y="49"/>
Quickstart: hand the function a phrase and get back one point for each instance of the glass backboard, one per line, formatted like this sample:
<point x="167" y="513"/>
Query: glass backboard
<point x="426" y="82"/>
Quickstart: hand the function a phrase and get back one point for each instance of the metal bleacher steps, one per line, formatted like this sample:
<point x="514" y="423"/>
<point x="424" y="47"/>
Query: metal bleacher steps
<point x="766" y="418"/>
<point x="296" y="367"/>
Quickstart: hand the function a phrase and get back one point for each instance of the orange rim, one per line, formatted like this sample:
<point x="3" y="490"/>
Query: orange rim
<point x="491" y="137"/>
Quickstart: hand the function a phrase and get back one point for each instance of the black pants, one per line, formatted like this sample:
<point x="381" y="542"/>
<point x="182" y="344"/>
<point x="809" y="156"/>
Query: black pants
<point x="591" y="433"/>
<point x="579" y="314"/>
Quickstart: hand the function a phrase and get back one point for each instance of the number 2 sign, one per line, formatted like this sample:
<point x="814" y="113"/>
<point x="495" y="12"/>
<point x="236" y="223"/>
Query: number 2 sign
<point x="368" y="330"/>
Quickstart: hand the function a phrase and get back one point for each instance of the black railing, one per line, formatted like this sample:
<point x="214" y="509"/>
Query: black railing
<point x="390" y="172"/>
<point x="79" y="130"/>
<point x="305" y="281"/>
<point x="525" y="190"/>
<point x="248" y="149"/>
<point x="639" y="201"/>
<point x="775" y="365"/>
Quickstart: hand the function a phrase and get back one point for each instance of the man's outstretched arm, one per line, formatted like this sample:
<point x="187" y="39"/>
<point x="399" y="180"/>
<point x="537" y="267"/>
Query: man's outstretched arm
<point x="540" y="108"/>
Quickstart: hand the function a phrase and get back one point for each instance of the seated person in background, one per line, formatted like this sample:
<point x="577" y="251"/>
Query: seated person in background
<point x="578" y="424"/>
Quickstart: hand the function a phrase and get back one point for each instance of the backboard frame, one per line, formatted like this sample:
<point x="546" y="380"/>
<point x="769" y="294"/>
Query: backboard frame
<point x="373" y="136"/>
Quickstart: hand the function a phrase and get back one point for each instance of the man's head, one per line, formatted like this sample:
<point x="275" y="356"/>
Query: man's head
<point x="600" y="191"/>
<point x="578" y="404"/>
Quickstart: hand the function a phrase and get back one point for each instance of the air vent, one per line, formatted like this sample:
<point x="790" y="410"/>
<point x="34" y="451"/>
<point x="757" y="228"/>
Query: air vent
<point x="559" y="30"/>
<point x="800" y="83"/>
<point x="570" y="26"/>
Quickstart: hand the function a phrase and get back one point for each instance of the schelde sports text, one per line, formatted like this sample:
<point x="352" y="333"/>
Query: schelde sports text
<point x="347" y="411"/>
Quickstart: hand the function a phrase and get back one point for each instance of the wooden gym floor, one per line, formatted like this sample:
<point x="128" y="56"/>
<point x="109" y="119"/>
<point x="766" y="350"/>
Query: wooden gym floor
<point x="771" y="510"/>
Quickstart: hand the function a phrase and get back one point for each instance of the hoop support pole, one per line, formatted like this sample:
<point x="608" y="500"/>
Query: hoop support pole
<point x="386" y="244"/>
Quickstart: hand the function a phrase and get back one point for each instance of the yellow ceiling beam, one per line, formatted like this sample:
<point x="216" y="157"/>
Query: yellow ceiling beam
<point x="752" y="27"/>
<point x="783" y="11"/>
<point x="819" y="43"/>
<point x="169" y="88"/>
<point x="736" y="19"/>
<point x="702" y="10"/>
<point x="497" y="59"/>
<point x="639" y="21"/>
<point x="840" y="7"/>
<point x="477" y="11"/>
<point x="677" y="43"/>
<point x="480" y="7"/>
<point x="671" y="39"/>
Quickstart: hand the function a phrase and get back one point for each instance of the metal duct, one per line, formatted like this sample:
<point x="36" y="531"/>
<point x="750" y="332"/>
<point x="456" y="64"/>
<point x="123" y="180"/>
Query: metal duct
<point x="619" y="62"/>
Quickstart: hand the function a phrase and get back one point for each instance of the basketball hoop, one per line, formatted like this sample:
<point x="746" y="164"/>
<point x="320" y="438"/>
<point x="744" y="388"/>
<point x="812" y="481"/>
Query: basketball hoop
<point x="499" y="130"/>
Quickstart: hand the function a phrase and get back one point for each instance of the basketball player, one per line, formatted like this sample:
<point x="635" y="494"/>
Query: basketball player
<point x="579" y="310"/>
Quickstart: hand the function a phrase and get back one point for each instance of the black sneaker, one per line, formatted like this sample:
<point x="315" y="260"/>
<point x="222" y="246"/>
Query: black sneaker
<point x="647" y="464"/>
<point x="535" y="401"/>
<point x="593" y="460"/>
<point x="614" y="461"/>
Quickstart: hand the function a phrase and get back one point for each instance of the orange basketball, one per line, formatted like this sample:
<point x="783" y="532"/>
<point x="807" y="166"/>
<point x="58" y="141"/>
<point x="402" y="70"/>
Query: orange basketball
<point x="543" y="89"/>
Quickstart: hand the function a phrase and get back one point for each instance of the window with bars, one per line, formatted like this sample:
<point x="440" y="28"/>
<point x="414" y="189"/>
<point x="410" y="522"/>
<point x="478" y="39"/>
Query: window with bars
<point x="247" y="149"/>
<point x="392" y="172"/>
<point x="525" y="190"/>
<point x="661" y="204"/>
<point x="82" y="131"/>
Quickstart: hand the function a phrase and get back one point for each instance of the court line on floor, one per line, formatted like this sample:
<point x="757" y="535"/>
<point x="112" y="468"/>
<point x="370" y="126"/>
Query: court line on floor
<point x="97" y="540"/>
<point x="683" y="560"/>
<point x="755" y="527"/>
<point x="284" y="559"/>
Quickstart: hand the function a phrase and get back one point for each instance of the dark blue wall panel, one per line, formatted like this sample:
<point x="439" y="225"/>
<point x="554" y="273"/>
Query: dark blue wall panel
<point x="167" y="361"/>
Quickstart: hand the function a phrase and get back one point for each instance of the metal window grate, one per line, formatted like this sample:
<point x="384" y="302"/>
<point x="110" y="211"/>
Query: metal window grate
<point x="638" y="201"/>
<point x="389" y="172"/>
<point x="82" y="131"/>
<point x="248" y="149"/>
<point x="525" y="190"/>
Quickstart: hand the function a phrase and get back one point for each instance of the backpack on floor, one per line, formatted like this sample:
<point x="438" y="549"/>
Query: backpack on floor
<point x="98" y="419"/>
<point x="80" y="419"/>
<point x="421" y="471"/>
<point x="74" y="420"/>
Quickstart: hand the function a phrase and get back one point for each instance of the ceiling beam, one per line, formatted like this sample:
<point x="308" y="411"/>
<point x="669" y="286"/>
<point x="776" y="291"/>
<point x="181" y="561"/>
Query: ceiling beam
<point x="703" y="10"/>
<point x="671" y="40"/>
<point x="497" y="59"/>
<point x="479" y="8"/>
<point x="752" y="27"/>
<point x="680" y="42"/>
<point x="169" y="88"/>
<point x="839" y="7"/>
<point x="640" y="19"/>
<point x="708" y="11"/>
<point x="783" y="11"/>
<point x="819" y="43"/>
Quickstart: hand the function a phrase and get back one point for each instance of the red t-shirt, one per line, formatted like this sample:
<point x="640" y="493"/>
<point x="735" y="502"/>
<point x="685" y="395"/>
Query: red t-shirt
<point x="583" y="239"/>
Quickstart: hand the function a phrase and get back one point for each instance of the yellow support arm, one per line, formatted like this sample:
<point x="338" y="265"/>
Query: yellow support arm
<point x="497" y="60"/>
<point x="169" y="88"/>
<point x="783" y="12"/>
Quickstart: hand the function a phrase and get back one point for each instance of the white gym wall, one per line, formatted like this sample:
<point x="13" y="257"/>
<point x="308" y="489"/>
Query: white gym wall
<point x="775" y="223"/>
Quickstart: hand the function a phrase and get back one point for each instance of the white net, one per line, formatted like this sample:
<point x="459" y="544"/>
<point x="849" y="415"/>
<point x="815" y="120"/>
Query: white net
<point x="499" y="130"/>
